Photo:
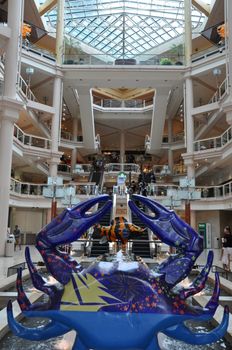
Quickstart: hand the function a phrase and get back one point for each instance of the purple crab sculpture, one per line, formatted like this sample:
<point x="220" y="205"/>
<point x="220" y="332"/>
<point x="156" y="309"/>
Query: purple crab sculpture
<point x="117" y="302"/>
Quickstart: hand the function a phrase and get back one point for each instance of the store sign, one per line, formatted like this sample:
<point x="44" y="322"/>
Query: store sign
<point x="121" y="179"/>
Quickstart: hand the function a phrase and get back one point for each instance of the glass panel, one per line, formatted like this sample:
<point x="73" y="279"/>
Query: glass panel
<point x="102" y="21"/>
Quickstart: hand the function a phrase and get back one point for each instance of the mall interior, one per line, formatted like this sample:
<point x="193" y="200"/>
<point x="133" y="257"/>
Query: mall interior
<point x="118" y="98"/>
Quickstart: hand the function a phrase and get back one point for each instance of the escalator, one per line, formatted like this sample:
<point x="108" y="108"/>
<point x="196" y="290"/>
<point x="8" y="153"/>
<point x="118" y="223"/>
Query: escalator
<point x="97" y="248"/>
<point x="141" y="246"/>
<point x="96" y="176"/>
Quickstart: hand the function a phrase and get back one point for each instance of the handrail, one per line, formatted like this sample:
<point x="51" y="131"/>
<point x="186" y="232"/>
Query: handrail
<point x="213" y="142"/>
<point x="23" y="87"/>
<point x="220" y="92"/>
<point x="133" y="103"/>
<point x="158" y="190"/>
<point x="82" y="169"/>
<point x="25" y="90"/>
<point x="126" y="167"/>
<point x="31" y="140"/>
<point x="31" y="189"/>
<point x="206" y="54"/>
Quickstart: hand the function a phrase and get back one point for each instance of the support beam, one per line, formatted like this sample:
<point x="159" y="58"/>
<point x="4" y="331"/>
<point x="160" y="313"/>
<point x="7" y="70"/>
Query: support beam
<point x="47" y="6"/>
<point x="201" y="6"/>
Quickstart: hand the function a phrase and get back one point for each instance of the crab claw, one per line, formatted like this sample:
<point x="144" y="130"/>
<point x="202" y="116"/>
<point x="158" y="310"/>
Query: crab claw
<point x="174" y="232"/>
<point x="66" y="228"/>
<point x="199" y="282"/>
<point x="52" y="329"/>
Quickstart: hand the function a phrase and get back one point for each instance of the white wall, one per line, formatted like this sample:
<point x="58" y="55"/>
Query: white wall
<point x="28" y="220"/>
<point x="213" y="217"/>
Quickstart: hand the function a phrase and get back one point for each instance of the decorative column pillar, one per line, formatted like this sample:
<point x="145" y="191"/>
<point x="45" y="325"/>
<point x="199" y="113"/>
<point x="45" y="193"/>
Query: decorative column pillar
<point x="170" y="151"/>
<point x="122" y="148"/>
<point x="227" y="105"/>
<point x="74" y="151"/>
<point x="9" y="113"/>
<point x="60" y="32"/>
<point x="57" y="89"/>
<point x="189" y="122"/>
<point x="55" y="130"/>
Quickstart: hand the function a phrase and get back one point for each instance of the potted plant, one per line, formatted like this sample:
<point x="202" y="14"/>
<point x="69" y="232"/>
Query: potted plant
<point x="165" y="61"/>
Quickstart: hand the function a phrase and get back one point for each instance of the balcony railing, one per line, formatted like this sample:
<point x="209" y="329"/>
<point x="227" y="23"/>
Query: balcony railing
<point x="178" y="169"/>
<point x="125" y="167"/>
<point x="64" y="168"/>
<point x="220" y="92"/>
<point x="104" y="59"/>
<point x="26" y="189"/>
<point x="31" y="140"/>
<point x="107" y="103"/>
<point x="31" y="189"/>
<point x="214" y="142"/>
<point x="82" y="169"/>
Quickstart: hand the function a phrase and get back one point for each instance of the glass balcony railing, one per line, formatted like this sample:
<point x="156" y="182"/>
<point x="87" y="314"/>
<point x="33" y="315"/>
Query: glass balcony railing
<point x="103" y="59"/>
<point x="107" y="103"/>
<point x="30" y="189"/>
<point x="125" y="167"/>
<point x="31" y="140"/>
<point x="214" y="142"/>
<point x="26" y="189"/>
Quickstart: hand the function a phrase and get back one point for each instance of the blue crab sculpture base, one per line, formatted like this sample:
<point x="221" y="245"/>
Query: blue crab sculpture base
<point x="117" y="302"/>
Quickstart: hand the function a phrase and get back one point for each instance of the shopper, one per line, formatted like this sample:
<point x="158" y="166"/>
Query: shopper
<point x="226" y="248"/>
<point x="17" y="236"/>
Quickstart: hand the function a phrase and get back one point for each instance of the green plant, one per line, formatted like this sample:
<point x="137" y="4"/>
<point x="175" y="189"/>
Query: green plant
<point x="165" y="61"/>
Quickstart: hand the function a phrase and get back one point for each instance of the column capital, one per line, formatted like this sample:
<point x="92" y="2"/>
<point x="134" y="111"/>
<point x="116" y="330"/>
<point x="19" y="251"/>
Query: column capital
<point x="10" y="108"/>
<point x="188" y="159"/>
<point x="55" y="158"/>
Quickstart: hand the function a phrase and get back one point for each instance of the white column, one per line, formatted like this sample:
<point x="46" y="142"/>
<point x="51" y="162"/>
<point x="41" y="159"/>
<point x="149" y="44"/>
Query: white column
<point x="9" y="112"/>
<point x="122" y="148"/>
<point x="170" y="151"/>
<point x="189" y="127"/>
<point x="227" y="106"/>
<point x="60" y="31"/>
<point x="55" y="130"/>
<point x="188" y="31"/>
<point x="74" y="151"/>
<point x="12" y="52"/>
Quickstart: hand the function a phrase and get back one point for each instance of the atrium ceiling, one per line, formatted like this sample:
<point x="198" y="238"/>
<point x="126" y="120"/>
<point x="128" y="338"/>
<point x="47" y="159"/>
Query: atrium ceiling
<point x="125" y="29"/>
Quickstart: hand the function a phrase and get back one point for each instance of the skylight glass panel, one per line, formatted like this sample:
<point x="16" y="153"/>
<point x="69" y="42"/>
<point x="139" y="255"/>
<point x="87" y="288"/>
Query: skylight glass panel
<point x="105" y="24"/>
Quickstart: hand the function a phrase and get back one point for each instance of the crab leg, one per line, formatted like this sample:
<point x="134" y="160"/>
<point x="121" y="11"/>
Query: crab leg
<point x="66" y="228"/>
<point x="50" y="330"/>
<point x="41" y="283"/>
<point x="181" y="332"/>
<point x="199" y="282"/>
<point x="174" y="232"/>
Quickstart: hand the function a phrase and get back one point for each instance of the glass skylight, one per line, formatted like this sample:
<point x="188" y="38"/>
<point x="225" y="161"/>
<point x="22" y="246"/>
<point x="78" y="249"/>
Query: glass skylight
<point x="125" y="29"/>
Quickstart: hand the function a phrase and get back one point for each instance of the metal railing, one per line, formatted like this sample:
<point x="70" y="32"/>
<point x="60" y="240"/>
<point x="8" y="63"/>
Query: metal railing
<point x="156" y="190"/>
<point x="25" y="188"/>
<point x="214" y="142"/>
<point x="178" y="169"/>
<point x="104" y="59"/>
<point x="220" y="92"/>
<point x="24" y="90"/>
<point x="64" y="168"/>
<point x="108" y="103"/>
<point x="31" y="140"/>
<point x="125" y="167"/>
<point x="205" y="54"/>
<point x="83" y="169"/>
<point x="32" y="189"/>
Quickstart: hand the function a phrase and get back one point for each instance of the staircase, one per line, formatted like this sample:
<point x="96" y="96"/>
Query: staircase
<point x="140" y="247"/>
<point x="97" y="248"/>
